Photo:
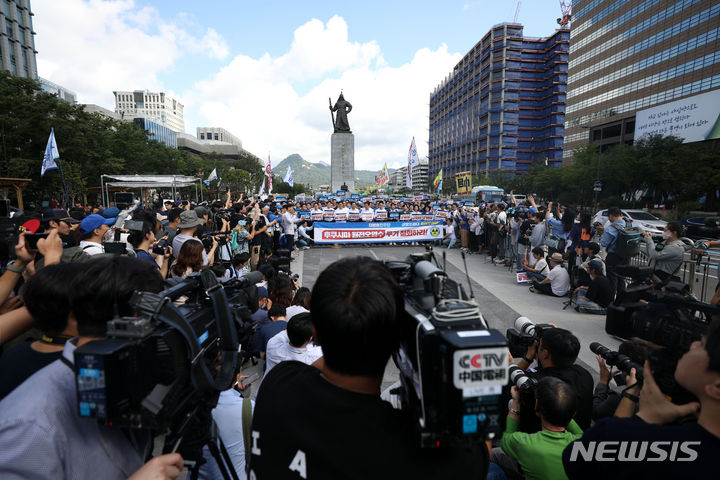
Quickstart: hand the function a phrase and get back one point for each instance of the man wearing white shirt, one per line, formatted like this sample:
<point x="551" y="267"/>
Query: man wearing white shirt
<point x="557" y="282"/>
<point x="289" y="222"/>
<point x="295" y="343"/>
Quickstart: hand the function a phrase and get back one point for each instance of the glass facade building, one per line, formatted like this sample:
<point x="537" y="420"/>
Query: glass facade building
<point x="629" y="55"/>
<point x="158" y="132"/>
<point x="503" y="106"/>
<point x="17" y="39"/>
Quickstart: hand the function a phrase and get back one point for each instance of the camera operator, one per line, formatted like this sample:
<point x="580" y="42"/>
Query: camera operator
<point x="171" y="229"/>
<point x="41" y="432"/>
<point x="539" y="455"/>
<point x="606" y="400"/>
<point x="336" y="425"/>
<point x="609" y="241"/>
<point x="667" y="257"/>
<point x="556" y="354"/>
<point x="689" y="450"/>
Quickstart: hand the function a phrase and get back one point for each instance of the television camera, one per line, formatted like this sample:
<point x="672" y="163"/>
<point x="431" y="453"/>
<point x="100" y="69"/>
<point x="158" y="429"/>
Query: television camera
<point x="453" y="367"/>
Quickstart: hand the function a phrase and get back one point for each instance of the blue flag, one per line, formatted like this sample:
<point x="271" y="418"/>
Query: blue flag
<point x="51" y="153"/>
<point x="213" y="176"/>
<point x="289" y="178"/>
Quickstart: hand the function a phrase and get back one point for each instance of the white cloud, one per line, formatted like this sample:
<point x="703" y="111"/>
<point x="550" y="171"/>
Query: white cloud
<point x="257" y="98"/>
<point x="95" y="46"/>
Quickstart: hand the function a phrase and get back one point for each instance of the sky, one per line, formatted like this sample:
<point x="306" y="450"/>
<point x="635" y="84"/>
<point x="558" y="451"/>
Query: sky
<point x="263" y="69"/>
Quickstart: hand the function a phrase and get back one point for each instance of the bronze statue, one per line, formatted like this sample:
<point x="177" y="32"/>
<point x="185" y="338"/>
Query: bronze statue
<point x="340" y="121"/>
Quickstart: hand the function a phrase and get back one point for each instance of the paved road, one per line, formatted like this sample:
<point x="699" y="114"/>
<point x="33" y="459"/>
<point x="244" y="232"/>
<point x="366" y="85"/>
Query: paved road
<point x="500" y="298"/>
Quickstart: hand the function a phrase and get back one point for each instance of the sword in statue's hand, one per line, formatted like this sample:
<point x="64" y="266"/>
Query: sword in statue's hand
<point x="331" y="112"/>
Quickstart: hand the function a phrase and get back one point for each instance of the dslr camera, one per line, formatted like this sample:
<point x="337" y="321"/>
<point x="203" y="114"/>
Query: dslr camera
<point x="453" y="367"/>
<point x="167" y="366"/>
<point x="529" y="422"/>
<point x="524" y="335"/>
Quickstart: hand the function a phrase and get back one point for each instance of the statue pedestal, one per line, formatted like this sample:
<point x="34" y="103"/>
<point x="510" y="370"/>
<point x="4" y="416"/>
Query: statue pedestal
<point x="342" y="161"/>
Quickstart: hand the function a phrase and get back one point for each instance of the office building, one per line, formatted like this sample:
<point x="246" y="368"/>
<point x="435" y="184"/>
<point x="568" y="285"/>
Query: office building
<point x="17" y="39"/>
<point x="628" y="56"/>
<point x="59" y="91"/>
<point x="158" y="132"/>
<point x="217" y="134"/>
<point x="154" y="106"/>
<point x="503" y="105"/>
<point x="92" y="108"/>
<point x="420" y="176"/>
<point x="195" y="146"/>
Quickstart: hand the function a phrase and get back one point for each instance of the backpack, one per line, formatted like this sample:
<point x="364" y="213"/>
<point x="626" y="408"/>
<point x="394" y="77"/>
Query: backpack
<point x="627" y="242"/>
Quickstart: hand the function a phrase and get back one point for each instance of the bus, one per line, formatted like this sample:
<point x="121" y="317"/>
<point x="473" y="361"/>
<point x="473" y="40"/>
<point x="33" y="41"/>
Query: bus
<point x="487" y="193"/>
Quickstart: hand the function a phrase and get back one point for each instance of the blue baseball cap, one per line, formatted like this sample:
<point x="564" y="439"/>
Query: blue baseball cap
<point x="111" y="212"/>
<point x="91" y="222"/>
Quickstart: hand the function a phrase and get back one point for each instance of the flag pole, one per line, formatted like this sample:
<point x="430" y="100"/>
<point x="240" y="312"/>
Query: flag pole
<point x="62" y="175"/>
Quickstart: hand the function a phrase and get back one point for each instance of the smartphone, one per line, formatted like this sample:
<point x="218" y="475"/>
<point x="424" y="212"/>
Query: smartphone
<point x="31" y="240"/>
<point x="249" y="380"/>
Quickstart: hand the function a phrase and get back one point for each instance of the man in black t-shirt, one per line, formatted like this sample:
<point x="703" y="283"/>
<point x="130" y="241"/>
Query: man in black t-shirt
<point x="327" y="421"/>
<point x="556" y="354"/>
<point x="641" y="446"/>
<point x="596" y="297"/>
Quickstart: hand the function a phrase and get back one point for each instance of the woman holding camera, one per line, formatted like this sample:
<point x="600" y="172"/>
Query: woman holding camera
<point x="144" y="240"/>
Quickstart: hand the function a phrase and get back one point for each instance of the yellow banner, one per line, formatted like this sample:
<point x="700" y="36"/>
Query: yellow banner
<point x="463" y="181"/>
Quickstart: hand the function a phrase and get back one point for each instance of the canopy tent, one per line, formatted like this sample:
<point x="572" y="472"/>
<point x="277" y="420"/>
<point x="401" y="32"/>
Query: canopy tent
<point x="18" y="184"/>
<point x="146" y="181"/>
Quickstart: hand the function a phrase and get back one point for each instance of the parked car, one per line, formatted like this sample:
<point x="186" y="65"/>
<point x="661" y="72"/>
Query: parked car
<point x="646" y="221"/>
<point x="700" y="228"/>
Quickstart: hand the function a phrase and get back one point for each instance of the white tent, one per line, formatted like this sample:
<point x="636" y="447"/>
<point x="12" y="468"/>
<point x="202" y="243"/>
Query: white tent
<point x="147" y="181"/>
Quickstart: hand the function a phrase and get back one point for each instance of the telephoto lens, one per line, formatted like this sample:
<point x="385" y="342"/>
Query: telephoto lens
<point x="520" y="379"/>
<point x="615" y="359"/>
<point x="525" y="325"/>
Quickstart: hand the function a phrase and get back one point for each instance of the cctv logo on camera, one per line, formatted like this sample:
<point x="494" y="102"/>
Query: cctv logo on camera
<point x="484" y="367"/>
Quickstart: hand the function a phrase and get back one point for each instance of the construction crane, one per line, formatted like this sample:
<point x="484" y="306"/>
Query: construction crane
<point x="517" y="11"/>
<point x="566" y="9"/>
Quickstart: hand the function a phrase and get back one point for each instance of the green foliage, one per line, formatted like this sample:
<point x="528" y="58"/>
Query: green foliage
<point x="654" y="170"/>
<point x="91" y="145"/>
<point x="285" y="189"/>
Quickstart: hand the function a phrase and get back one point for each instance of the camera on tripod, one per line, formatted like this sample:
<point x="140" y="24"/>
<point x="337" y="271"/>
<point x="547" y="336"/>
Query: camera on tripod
<point x="160" y="369"/>
<point x="453" y="367"/>
<point x="524" y="335"/>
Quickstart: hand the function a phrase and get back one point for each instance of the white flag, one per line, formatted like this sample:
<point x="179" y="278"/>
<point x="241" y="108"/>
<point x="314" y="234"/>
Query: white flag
<point x="213" y="176"/>
<point x="289" y="178"/>
<point x="51" y="153"/>
<point x="262" y="189"/>
<point x="268" y="173"/>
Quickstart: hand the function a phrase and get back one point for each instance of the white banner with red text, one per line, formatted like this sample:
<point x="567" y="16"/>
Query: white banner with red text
<point x="377" y="232"/>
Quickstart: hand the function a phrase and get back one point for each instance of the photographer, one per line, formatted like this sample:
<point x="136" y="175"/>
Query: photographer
<point x="556" y="354"/>
<point x="336" y="425"/>
<point x="666" y="258"/>
<point x="539" y="455"/>
<point x="689" y="450"/>
<point x="143" y="240"/>
<point x="605" y="400"/>
<point x="596" y="297"/>
<point x="41" y="432"/>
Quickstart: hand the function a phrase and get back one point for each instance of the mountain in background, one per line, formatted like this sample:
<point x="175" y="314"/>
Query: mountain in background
<point x="313" y="175"/>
